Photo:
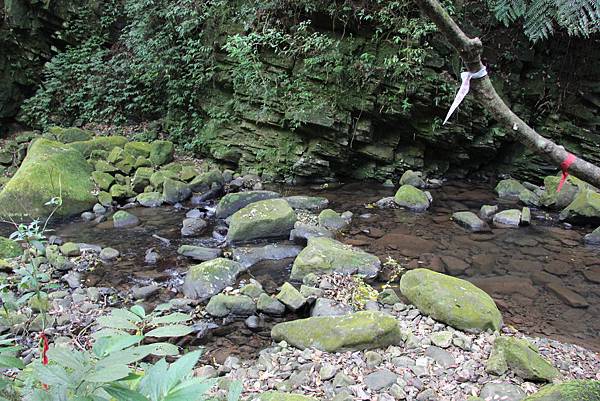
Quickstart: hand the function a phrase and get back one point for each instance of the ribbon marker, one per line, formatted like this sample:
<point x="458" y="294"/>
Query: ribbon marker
<point x="44" y="346"/>
<point x="464" y="89"/>
<point x="564" y="166"/>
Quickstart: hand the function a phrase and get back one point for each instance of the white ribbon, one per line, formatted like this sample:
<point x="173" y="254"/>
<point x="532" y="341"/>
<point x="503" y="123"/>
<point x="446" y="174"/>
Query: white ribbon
<point x="464" y="89"/>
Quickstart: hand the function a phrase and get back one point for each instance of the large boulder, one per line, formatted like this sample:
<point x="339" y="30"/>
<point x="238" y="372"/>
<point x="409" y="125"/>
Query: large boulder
<point x="521" y="357"/>
<point x="513" y="189"/>
<point x="470" y="221"/>
<point x="161" y="152"/>
<point x="271" y="218"/>
<point x="9" y="248"/>
<point x="106" y="143"/>
<point x="175" y="191"/>
<point x="412" y="198"/>
<point x="356" y="331"/>
<point x="326" y="255"/>
<point x="584" y="208"/>
<point x="553" y="199"/>
<point x="231" y="203"/>
<point x="222" y="305"/>
<point x="49" y="170"/>
<point x="451" y="300"/>
<point x="68" y="135"/>
<point x="574" y="390"/>
<point x="211" y="277"/>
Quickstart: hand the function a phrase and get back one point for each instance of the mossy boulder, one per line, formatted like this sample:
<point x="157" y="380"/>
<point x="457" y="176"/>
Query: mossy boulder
<point x="161" y="152"/>
<point x="141" y="178"/>
<point x="412" y="178"/>
<point x="231" y="203"/>
<point x="98" y="143"/>
<point x="550" y="198"/>
<point x="138" y="148"/>
<point x="211" y="277"/>
<point x="205" y="181"/>
<point x="326" y="255"/>
<point x="356" y="331"/>
<point x="104" y="198"/>
<point x="332" y="220"/>
<point x="150" y="199"/>
<point x="271" y="218"/>
<point x="412" y="198"/>
<point x="222" y="305"/>
<point x="585" y="208"/>
<point x="9" y="248"/>
<point x="121" y="191"/>
<point x="102" y="166"/>
<point x="103" y="180"/>
<point x="451" y="300"/>
<point x="281" y="396"/>
<point x="68" y="135"/>
<point x="70" y="249"/>
<point x="574" y="390"/>
<point x="115" y="155"/>
<point x="513" y="189"/>
<point x="124" y="219"/>
<point x="522" y="358"/>
<point x="50" y="169"/>
<point x="175" y="191"/>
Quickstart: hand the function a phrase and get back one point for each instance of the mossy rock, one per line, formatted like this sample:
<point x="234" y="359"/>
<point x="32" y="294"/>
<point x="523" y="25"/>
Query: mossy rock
<point x="115" y="155"/>
<point x="209" y="278"/>
<point x="103" y="166"/>
<point x="205" y="181"/>
<point x="120" y="191"/>
<point x="412" y="198"/>
<point x="137" y="148"/>
<point x="104" y="198"/>
<point x="175" y="191"/>
<point x="68" y="135"/>
<point x="9" y="248"/>
<point x="103" y="180"/>
<point x="281" y="396"/>
<point x="51" y="169"/>
<point x="574" y="390"/>
<point x="123" y="218"/>
<point x="271" y="218"/>
<point x="150" y="199"/>
<point x="520" y="356"/>
<point x="161" y="152"/>
<point x="188" y="173"/>
<point x="585" y="208"/>
<point x="98" y="143"/>
<point x="356" y="331"/>
<point x="141" y="178"/>
<point x="222" y="305"/>
<point x="142" y="162"/>
<point x="451" y="300"/>
<point x="231" y="203"/>
<point x="126" y="164"/>
<point x="569" y="191"/>
<point x="513" y="189"/>
<point x="324" y="255"/>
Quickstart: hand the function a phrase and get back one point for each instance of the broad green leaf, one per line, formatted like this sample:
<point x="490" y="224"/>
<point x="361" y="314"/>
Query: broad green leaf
<point x="116" y="322"/>
<point x="153" y="384"/>
<point x="108" y="333"/>
<point x="164" y="349"/>
<point x="235" y="391"/>
<point x="139" y="311"/>
<point x="108" y="374"/>
<point x="191" y="390"/>
<point x="162" y="307"/>
<point x="122" y="393"/>
<point x="125" y="314"/>
<point x="52" y="375"/>
<point x="127" y="356"/>
<point x="176" y="317"/>
<point x="181" y="368"/>
<point x="67" y="357"/>
<point x="175" y="330"/>
<point x="108" y="345"/>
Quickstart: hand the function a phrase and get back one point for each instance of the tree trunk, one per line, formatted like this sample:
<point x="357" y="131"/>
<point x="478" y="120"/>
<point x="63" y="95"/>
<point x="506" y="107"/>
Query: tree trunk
<point x="470" y="50"/>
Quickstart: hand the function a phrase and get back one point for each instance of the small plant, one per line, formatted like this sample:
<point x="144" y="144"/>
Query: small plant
<point x="396" y="270"/>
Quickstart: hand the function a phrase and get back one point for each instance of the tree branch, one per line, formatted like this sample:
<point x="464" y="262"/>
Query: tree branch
<point x="470" y="50"/>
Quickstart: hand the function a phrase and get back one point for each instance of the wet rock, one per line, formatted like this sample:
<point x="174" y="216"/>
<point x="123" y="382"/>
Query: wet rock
<point x="453" y="301"/>
<point x="151" y="257"/>
<point x="302" y="232"/>
<point x="585" y="208"/>
<point x="205" y="181"/>
<point x="233" y="202"/>
<point x="222" y="305"/>
<point x="313" y="203"/>
<point x="592" y="274"/>
<point x="249" y="256"/>
<point x="199" y="253"/>
<point x="543" y="278"/>
<point x="325" y="255"/>
<point x="454" y="266"/>
<point x="510" y="218"/>
<point x="592" y="238"/>
<point x="150" y="199"/>
<point x="360" y="330"/>
<point x="123" y="219"/>
<point x="291" y="297"/>
<point x="328" y="307"/>
<point x="568" y="296"/>
<point x="521" y="357"/>
<point x="144" y="292"/>
<point x="88" y="216"/>
<point x="380" y="379"/>
<point x="525" y="216"/>
<point x="507" y="285"/>
<point x="254" y="322"/>
<point x="488" y="211"/>
<point x="209" y="278"/>
<point x="271" y="218"/>
<point x="470" y="221"/>
<point x="412" y="178"/>
<point x="441" y="356"/>
<point x="192" y="226"/>
<point x="175" y="191"/>
<point x="388" y="297"/>
<point x="108" y="254"/>
<point x="574" y="390"/>
<point x="558" y="268"/>
<point x="502" y="391"/>
<point x="513" y="189"/>
<point x="70" y="249"/>
<point x="332" y="220"/>
<point x="98" y="209"/>
<point x="386" y="203"/>
<point x="270" y="305"/>
<point x="412" y="198"/>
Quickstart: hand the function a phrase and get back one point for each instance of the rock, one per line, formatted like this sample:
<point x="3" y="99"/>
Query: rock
<point x="525" y="216"/>
<point x="271" y="218"/>
<point x="568" y="296"/>
<point x="326" y="255"/>
<point x="254" y="322"/>
<point x="356" y="331"/>
<point x="332" y="220"/>
<point x="70" y="249"/>
<point x="487" y="211"/>
<point x="209" y="278"/>
<point x="559" y="200"/>
<point x="270" y="305"/>
<point x="68" y="135"/>
<point x="412" y="198"/>
<point x="442" y="339"/>
<point x="592" y="238"/>
<point x="103" y="180"/>
<point x="99" y="143"/>
<point x="205" y="181"/>
<point x="99" y="209"/>
<point x="510" y="218"/>
<point x="470" y="221"/>
<point x="222" y="305"/>
<point x="161" y="152"/>
<point x="150" y="199"/>
<point x="328" y="307"/>
<point x="50" y="169"/>
<point x="327" y="371"/>
<point x="501" y="391"/>
<point x="192" y="226"/>
<point x="73" y="279"/>
<point x="199" y="252"/>
<point x="151" y="257"/>
<point x="144" y="292"/>
<point x="513" y="189"/>
<point x="313" y="203"/>
<point x="441" y="356"/>
<point x="254" y="289"/>
<point x="88" y="216"/>
<point x="380" y="379"/>
<point x="388" y="297"/>
<point x="413" y="178"/>
<point x="120" y="191"/>
<point x="310" y="293"/>
<point x="249" y="256"/>
<point x="454" y="266"/>
<point x="141" y="178"/>
<point x="585" y="208"/>
<point x="573" y="390"/>
<point x="302" y="232"/>
<point x="175" y="191"/>
<point x="109" y="254"/>
<point x="233" y="202"/>
<point x="342" y="380"/>
<point x="291" y="297"/>
<point x="9" y="248"/>
<point x="451" y="300"/>
<point x="521" y="357"/>
<point x="281" y="396"/>
<point x="124" y="219"/>
<point x="373" y="359"/>
<point x="105" y="199"/>
<point x="592" y="274"/>
<point x="138" y="148"/>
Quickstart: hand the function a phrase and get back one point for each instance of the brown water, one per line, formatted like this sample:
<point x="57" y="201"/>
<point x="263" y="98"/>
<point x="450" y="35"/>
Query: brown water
<point x="510" y="264"/>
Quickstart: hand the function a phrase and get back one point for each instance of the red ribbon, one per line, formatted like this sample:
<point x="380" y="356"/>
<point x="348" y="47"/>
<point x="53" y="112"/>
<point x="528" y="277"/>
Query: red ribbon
<point x="44" y="345"/>
<point x="564" y="166"/>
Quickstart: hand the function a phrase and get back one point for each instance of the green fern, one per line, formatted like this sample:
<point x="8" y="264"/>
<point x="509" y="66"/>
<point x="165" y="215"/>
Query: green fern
<point x="542" y="17"/>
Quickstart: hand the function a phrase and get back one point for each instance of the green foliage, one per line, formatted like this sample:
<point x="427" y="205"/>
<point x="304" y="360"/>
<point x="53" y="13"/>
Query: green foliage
<point x="541" y="17"/>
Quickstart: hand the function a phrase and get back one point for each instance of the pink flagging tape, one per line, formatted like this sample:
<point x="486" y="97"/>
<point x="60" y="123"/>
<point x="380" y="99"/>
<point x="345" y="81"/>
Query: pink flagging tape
<point x="464" y="89"/>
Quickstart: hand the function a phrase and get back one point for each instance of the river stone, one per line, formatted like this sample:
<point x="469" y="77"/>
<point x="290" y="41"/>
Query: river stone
<point x="50" y="169"/>
<point x="70" y="249"/>
<point x="487" y="211"/>
<point x="270" y="305"/>
<point x="501" y="391"/>
<point x="440" y="356"/>
<point x="161" y="152"/>
<point x="150" y="199"/>
<point x="442" y="339"/>
<point x="454" y="265"/>
<point x="412" y="178"/>
<point x="412" y="198"/>
<point x="521" y="357"/>
<point x="326" y="255"/>
<point x="525" y="216"/>
<point x="356" y="331"/>
<point x="124" y="219"/>
<point x="592" y="238"/>
<point x="310" y="293"/>
<point x="291" y="297"/>
<point x="205" y="181"/>
<point x="508" y="218"/>
<point x="568" y="296"/>
<point x="249" y="256"/>
<point x="574" y="390"/>
<point x="451" y="300"/>
<point x="103" y="180"/>
<point x="307" y="202"/>
<point x="331" y="220"/>
<point x="9" y="248"/>
<point x="585" y="208"/>
<point x="231" y="203"/>
<point x="281" y="396"/>
<point x="271" y="218"/>
<point x="550" y="198"/>
<point x="199" y="252"/>
<point x="104" y="198"/>
<point x="388" y="297"/>
<point x="109" y="254"/>
<point x="328" y="307"/>
<point x="222" y="305"/>
<point x="211" y="277"/>
<point x="513" y="189"/>
<point x="470" y="221"/>
<point x="380" y="379"/>
<point x="141" y="179"/>
<point x="302" y="232"/>
<point x="192" y="226"/>
<point x="175" y="191"/>
<point x="253" y="289"/>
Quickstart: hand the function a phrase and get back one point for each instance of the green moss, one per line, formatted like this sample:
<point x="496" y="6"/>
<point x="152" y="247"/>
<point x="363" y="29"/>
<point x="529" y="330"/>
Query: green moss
<point x="271" y="218"/>
<point x="585" y="206"/>
<point x="161" y="152"/>
<point x="521" y="357"/>
<point x="98" y="143"/>
<point x="103" y="180"/>
<point x="574" y="390"/>
<point x="233" y="202"/>
<point x="137" y="149"/>
<point x="104" y="198"/>
<point x="68" y="135"/>
<point x="9" y="248"/>
<point x="412" y="198"/>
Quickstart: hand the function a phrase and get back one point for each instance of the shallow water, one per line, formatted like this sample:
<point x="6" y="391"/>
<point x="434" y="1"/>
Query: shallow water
<point x="507" y="263"/>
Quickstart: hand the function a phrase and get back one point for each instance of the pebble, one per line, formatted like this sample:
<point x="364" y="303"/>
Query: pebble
<point x="380" y="379"/>
<point x="109" y="254"/>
